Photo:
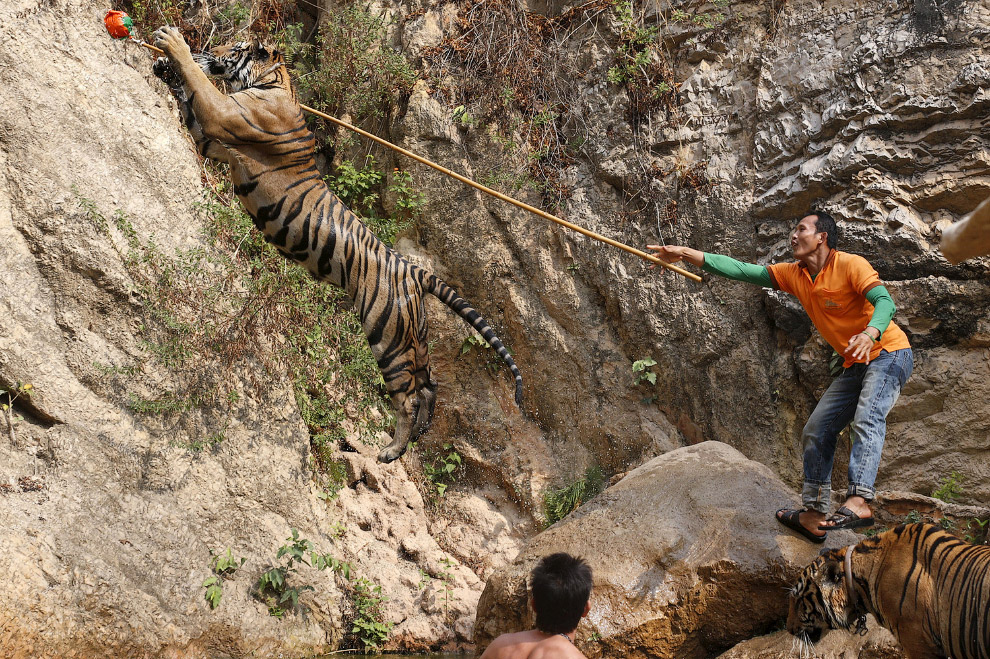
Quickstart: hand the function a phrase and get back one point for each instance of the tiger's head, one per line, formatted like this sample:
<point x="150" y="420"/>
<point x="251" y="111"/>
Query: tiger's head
<point x="818" y="601"/>
<point x="243" y="64"/>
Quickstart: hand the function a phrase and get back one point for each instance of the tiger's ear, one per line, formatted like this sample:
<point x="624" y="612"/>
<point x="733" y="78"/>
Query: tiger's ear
<point x="833" y="571"/>
<point x="258" y="50"/>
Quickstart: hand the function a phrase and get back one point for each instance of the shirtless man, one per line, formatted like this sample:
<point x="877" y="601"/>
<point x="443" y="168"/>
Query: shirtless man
<point x="561" y="586"/>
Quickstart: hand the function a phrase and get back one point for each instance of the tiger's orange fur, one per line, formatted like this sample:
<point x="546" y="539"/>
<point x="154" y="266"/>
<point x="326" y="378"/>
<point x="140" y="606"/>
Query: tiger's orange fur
<point x="259" y="130"/>
<point x="929" y="588"/>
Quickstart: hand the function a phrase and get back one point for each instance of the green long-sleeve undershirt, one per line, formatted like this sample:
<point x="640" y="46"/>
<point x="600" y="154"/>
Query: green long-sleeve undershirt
<point x="726" y="266"/>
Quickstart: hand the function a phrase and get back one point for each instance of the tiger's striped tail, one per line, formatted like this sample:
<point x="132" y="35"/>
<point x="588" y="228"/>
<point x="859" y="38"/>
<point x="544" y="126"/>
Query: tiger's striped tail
<point x="459" y="305"/>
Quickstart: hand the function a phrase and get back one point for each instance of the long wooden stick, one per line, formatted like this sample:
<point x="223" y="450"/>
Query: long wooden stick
<point x="494" y="193"/>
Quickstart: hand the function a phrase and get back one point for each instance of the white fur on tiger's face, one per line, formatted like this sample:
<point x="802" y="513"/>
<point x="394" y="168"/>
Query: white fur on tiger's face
<point x="242" y="64"/>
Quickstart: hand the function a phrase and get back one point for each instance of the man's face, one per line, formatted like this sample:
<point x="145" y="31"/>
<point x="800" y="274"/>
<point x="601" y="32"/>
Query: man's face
<point x="805" y="238"/>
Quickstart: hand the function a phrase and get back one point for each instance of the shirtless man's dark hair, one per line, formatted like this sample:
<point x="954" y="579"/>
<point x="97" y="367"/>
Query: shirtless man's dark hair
<point x="561" y="587"/>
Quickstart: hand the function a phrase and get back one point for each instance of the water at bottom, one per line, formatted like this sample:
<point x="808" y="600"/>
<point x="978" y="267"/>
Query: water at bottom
<point x="348" y="655"/>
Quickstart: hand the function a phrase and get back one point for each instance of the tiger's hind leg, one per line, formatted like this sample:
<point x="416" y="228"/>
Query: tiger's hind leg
<point x="398" y="369"/>
<point x="426" y="386"/>
<point x="412" y="390"/>
<point x="406" y="406"/>
<point x="427" y="401"/>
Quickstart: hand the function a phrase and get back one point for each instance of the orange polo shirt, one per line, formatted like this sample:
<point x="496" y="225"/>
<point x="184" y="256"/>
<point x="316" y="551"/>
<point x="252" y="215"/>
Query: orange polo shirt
<point x="836" y="300"/>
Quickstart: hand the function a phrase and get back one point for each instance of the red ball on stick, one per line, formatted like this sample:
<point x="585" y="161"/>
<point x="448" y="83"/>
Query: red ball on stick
<point x="118" y="24"/>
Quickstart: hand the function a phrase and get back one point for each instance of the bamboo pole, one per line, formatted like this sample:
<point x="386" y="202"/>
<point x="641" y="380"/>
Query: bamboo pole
<point x="494" y="193"/>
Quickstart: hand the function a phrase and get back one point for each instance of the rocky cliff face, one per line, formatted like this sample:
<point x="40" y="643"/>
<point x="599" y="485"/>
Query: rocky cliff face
<point x="876" y="111"/>
<point x="109" y="517"/>
<point x="873" y="111"/>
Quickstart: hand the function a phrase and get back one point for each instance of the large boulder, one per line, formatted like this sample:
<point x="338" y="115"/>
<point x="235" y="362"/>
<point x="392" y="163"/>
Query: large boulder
<point x="687" y="557"/>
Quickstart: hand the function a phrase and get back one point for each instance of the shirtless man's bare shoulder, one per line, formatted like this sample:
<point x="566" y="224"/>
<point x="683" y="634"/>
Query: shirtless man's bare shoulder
<point x="532" y="644"/>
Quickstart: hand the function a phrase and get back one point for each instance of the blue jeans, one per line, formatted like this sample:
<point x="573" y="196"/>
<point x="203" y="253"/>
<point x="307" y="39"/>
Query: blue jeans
<point x="864" y="395"/>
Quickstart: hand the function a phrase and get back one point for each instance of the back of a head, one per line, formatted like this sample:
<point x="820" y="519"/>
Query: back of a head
<point x="561" y="586"/>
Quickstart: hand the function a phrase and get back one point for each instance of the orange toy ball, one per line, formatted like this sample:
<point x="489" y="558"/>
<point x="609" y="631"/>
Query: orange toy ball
<point x="118" y="24"/>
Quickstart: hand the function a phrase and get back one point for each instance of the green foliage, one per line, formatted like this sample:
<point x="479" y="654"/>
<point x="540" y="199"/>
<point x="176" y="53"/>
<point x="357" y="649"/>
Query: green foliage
<point x="641" y="369"/>
<point x="446" y="577"/>
<point x="949" y="488"/>
<point x="408" y="201"/>
<point x="369" y="624"/>
<point x="558" y="503"/>
<point x="276" y="587"/>
<point x="441" y="468"/>
<point x="492" y="361"/>
<point x="223" y="567"/>
<point x="913" y="517"/>
<point x="978" y="531"/>
<point x="210" y="311"/>
<point x="350" y="67"/>
<point x="360" y="190"/>
<point x="640" y="63"/>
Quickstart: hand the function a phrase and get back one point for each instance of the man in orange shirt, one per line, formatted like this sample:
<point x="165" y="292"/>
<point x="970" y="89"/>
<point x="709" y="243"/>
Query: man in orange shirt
<point x="852" y="310"/>
<point x="561" y="586"/>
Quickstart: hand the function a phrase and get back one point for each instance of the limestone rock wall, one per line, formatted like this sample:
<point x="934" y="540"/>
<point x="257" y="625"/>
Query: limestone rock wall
<point x="107" y="518"/>
<point x="875" y="111"/>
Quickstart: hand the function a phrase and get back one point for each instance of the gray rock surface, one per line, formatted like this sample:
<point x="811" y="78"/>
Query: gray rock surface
<point x="107" y="518"/>
<point x="107" y="521"/>
<point x="882" y="123"/>
<point x="687" y="558"/>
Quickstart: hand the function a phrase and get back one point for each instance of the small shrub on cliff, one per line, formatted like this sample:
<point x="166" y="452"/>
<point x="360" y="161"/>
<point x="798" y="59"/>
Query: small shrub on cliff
<point x="950" y="488"/>
<point x="369" y="624"/>
<point x="360" y="190"/>
<point x="273" y="587"/>
<point x="440" y="468"/>
<point x="558" y="503"/>
<point x="223" y="567"/>
<point x="351" y="67"/>
<point x="978" y="531"/>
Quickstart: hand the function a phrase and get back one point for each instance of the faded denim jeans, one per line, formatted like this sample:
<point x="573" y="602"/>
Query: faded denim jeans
<point x="863" y="395"/>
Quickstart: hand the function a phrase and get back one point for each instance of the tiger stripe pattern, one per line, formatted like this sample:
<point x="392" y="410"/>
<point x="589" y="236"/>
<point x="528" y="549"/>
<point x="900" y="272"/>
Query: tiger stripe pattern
<point x="260" y="131"/>
<point x="929" y="588"/>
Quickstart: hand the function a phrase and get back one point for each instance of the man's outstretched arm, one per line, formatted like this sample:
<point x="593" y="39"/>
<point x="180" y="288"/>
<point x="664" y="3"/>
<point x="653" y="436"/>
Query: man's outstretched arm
<point x="725" y="266"/>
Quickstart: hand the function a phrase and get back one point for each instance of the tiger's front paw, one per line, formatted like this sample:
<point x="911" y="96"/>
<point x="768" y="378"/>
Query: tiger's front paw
<point x="170" y="40"/>
<point x="164" y="71"/>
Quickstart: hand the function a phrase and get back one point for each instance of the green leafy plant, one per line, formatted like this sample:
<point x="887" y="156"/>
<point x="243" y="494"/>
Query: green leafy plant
<point x="949" y="488"/>
<point x="559" y="502"/>
<point x="223" y="567"/>
<point x="446" y="577"/>
<point x="351" y="65"/>
<point x="641" y="370"/>
<point x="369" y="624"/>
<point x="913" y="517"/>
<point x="361" y="190"/>
<point x="491" y="359"/>
<point x="977" y="531"/>
<point x="274" y="587"/>
<point x="441" y="468"/>
<point x="641" y="64"/>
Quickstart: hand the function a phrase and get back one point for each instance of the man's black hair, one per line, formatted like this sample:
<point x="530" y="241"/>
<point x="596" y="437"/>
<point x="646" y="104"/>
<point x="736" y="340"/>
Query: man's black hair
<point x="561" y="587"/>
<point x="826" y="224"/>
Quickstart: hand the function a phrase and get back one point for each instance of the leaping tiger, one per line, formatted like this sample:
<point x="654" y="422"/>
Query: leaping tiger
<point x="259" y="130"/>
<point x="929" y="588"/>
